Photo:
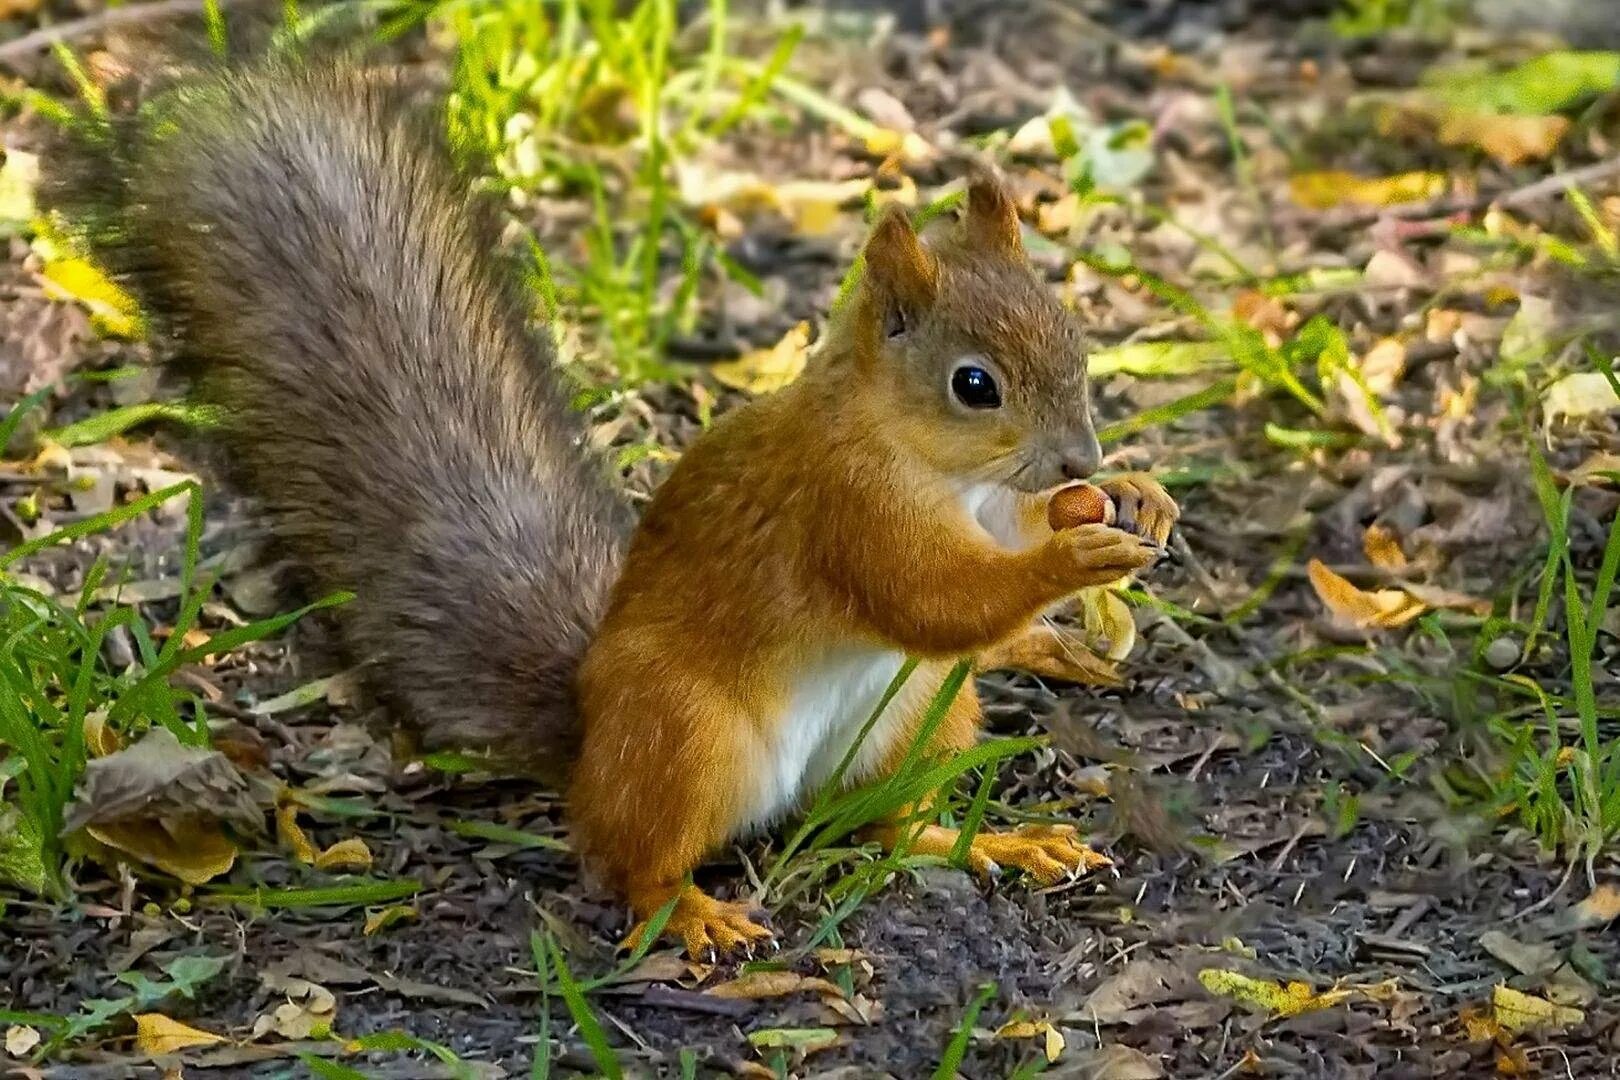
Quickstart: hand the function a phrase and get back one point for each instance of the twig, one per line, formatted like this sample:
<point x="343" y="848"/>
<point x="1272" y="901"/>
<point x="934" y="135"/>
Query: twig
<point x="46" y="36"/>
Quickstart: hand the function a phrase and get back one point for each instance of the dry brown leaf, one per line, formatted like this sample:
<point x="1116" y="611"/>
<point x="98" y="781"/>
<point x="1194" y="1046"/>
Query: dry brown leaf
<point x="1351" y="606"/>
<point x="764" y="371"/>
<point x="1383" y="365"/>
<point x="758" y="985"/>
<point x="1510" y="140"/>
<point x="159" y="778"/>
<point x="156" y="1034"/>
<point x="1383" y="548"/>
<point x="1266" y="314"/>
<point x="307" y="1012"/>
<point x="1447" y="599"/>
<point x="1325" y="190"/>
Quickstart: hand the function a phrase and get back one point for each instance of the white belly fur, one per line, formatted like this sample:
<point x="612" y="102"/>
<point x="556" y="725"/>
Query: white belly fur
<point x="833" y="698"/>
<point x="826" y="710"/>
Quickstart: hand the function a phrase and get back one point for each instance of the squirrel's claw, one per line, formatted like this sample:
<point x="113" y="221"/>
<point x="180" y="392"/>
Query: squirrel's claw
<point x="1142" y="506"/>
<point x="707" y="927"/>
<point x="1047" y="853"/>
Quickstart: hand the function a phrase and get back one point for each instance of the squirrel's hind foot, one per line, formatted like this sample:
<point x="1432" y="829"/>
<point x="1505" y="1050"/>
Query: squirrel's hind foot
<point x="1047" y="853"/>
<point x="706" y="927"/>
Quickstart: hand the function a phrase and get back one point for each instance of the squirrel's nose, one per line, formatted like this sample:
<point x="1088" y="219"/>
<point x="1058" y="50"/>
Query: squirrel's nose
<point x="1081" y="459"/>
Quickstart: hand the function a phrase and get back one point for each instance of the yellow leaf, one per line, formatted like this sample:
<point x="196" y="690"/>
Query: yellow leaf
<point x="906" y="146"/>
<point x="378" y="921"/>
<point x="291" y="834"/>
<point x="757" y="985"/>
<point x="1325" y="190"/>
<point x="1383" y="609"/>
<point x="1480" y="1026"/>
<point x="1110" y="629"/>
<point x="1519" y="1012"/>
<point x="345" y="855"/>
<point x="1267" y="996"/>
<point x="156" y="1034"/>
<point x="1383" y="548"/>
<point x="112" y="310"/>
<point x="1510" y="140"/>
<point x="764" y="371"/>
<point x="1035" y="1029"/>
<point x="99" y="739"/>
<point x="1585" y="393"/>
<point x="1601" y="907"/>
<point x="20" y="1039"/>
<point x="193" y="851"/>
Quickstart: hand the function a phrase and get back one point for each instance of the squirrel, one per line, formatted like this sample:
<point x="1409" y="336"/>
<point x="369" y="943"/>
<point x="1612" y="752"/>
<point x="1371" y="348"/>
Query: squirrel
<point x="303" y="236"/>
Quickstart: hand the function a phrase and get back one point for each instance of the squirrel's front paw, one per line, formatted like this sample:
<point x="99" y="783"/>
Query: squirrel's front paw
<point x="706" y="926"/>
<point x="1100" y="555"/>
<point x="1142" y="506"/>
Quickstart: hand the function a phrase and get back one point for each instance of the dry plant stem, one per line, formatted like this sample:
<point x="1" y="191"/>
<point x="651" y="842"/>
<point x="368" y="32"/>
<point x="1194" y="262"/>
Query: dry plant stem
<point x="74" y="29"/>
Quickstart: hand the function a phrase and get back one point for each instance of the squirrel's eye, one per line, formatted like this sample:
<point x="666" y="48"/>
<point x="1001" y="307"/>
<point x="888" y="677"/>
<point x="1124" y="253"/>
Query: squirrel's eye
<point x="895" y="324"/>
<point x="975" y="387"/>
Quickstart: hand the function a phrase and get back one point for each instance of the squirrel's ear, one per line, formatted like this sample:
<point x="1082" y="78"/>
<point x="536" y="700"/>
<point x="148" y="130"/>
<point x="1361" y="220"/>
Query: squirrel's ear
<point x="992" y="219"/>
<point x="897" y="263"/>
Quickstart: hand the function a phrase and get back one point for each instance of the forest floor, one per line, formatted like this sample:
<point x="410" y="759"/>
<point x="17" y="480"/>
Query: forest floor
<point x="1292" y="789"/>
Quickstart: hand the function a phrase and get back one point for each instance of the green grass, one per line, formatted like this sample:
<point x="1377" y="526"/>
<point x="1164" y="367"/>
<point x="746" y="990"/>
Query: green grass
<point x="54" y="673"/>
<point x="601" y="100"/>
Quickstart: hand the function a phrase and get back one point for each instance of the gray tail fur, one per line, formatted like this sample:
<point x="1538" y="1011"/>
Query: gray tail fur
<point x="330" y="283"/>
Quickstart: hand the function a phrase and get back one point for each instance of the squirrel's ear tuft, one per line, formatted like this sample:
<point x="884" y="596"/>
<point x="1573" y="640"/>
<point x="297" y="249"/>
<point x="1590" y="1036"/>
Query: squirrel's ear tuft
<point x="992" y="219"/>
<point x="897" y="263"/>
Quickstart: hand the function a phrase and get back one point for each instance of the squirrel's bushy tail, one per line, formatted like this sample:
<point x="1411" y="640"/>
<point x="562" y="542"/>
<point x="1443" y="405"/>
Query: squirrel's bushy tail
<point x="331" y="284"/>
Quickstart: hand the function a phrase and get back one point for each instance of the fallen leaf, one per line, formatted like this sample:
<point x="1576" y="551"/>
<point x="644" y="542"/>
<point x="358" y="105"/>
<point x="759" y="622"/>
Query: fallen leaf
<point x="349" y="855"/>
<point x="1115" y="1061"/>
<point x="1585" y="393"/>
<point x="1138" y="985"/>
<point x="1526" y="959"/>
<point x="1382" y="366"/>
<point x="1520" y="1012"/>
<point x="378" y="921"/>
<point x="64" y="276"/>
<point x="1388" y="269"/>
<point x="1447" y="599"/>
<point x="158" y="777"/>
<point x="1325" y="190"/>
<point x="804" y="1040"/>
<point x="1110" y="627"/>
<point x="1383" y="548"/>
<point x="291" y="835"/>
<point x="764" y="371"/>
<point x="193" y="851"/>
<point x="1383" y="609"/>
<point x="1509" y="140"/>
<point x="307" y="1012"/>
<point x="20" y="1039"/>
<point x="760" y="985"/>
<point x="1051" y="1037"/>
<point x="156" y="1034"/>
<point x="1267" y="996"/>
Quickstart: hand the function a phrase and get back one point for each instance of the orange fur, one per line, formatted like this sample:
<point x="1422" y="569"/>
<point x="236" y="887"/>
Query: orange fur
<point x="825" y="526"/>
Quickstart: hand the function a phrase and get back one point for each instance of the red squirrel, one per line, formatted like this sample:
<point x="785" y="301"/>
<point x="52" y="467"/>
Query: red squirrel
<point x="328" y="280"/>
